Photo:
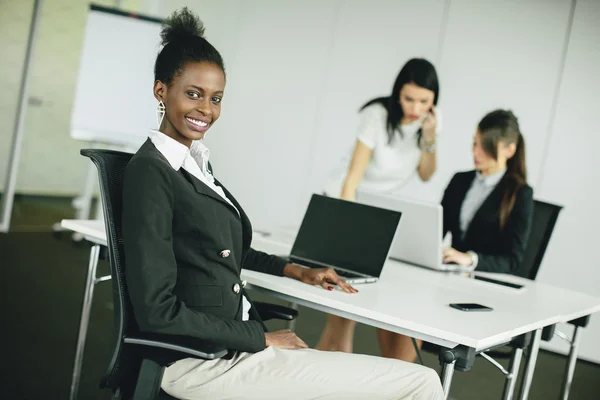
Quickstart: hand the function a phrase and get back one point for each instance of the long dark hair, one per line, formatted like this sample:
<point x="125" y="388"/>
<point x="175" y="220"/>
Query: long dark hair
<point x="503" y="126"/>
<point x="183" y="41"/>
<point x="418" y="71"/>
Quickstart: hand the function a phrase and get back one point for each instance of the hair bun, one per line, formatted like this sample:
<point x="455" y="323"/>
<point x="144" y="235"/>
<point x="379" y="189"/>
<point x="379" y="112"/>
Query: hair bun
<point x="181" y="25"/>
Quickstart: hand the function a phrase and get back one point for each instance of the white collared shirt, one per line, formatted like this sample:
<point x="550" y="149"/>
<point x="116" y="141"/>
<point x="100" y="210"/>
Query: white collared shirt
<point x="480" y="189"/>
<point x="195" y="161"/>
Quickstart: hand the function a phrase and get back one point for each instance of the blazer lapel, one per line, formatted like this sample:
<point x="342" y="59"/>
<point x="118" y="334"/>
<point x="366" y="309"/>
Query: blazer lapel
<point x="198" y="185"/>
<point x="246" y="225"/>
<point x="203" y="189"/>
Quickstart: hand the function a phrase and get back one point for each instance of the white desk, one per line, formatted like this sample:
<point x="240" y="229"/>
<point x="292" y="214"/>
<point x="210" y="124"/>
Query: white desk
<point x="414" y="301"/>
<point x="408" y="300"/>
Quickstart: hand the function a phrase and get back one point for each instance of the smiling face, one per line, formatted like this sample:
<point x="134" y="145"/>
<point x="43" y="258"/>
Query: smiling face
<point x="192" y="101"/>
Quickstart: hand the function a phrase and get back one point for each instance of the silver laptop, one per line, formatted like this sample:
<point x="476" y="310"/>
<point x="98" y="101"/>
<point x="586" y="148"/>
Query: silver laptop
<point x="419" y="238"/>
<point x="354" y="239"/>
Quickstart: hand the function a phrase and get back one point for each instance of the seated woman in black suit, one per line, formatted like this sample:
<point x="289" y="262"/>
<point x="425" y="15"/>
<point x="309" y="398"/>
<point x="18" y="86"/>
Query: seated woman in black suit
<point x="186" y="239"/>
<point x="488" y="210"/>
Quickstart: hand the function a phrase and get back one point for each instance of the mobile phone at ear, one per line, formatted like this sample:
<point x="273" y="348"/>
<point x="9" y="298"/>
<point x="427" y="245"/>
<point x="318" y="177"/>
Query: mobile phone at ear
<point x="470" y="307"/>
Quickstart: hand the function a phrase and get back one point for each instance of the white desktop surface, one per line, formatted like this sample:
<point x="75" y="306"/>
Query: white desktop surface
<point x="414" y="301"/>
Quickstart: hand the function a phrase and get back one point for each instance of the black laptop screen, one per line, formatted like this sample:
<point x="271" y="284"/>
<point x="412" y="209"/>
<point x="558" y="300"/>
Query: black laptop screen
<point x="345" y="234"/>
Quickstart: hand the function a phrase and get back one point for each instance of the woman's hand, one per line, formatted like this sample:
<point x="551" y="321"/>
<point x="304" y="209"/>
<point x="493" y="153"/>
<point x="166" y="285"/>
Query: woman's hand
<point x="429" y="127"/>
<point x="323" y="277"/>
<point x="284" y="339"/>
<point x="454" y="256"/>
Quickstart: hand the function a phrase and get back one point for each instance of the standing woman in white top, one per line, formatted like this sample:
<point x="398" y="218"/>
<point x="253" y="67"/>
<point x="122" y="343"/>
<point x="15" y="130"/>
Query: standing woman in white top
<point x="396" y="140"/>
<point x="396" y="136"/>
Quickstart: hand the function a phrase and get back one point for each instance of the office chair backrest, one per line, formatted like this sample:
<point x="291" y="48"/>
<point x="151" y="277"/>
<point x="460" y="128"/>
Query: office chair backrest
<point x="543" y="222"/>
<point x="111" y="170"/>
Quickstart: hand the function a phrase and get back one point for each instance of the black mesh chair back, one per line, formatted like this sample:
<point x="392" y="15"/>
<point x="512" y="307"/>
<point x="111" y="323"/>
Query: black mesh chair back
<point x="124" y="363"/>
<point x="543" y="222"/>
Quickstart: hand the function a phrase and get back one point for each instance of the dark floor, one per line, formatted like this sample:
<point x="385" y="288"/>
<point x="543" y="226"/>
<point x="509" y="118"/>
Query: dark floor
<point x="41" y="289"/>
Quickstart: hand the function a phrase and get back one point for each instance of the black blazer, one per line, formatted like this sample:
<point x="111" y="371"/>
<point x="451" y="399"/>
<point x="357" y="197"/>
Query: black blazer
<point x="499" y="250"/>
<point x="184" y="249"/>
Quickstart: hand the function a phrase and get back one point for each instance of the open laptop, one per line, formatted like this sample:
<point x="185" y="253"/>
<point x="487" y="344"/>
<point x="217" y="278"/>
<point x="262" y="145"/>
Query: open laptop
<point x="354" y="239"/>
<point x="419" y="238"/>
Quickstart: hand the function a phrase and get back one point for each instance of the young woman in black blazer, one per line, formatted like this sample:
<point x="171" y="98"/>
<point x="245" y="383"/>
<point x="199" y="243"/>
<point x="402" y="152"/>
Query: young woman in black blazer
<point x="186" y="239"/>
<point x="488" y="210"/>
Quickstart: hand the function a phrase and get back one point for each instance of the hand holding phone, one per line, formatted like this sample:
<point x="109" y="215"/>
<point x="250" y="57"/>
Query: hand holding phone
<point x="429" y="125"/>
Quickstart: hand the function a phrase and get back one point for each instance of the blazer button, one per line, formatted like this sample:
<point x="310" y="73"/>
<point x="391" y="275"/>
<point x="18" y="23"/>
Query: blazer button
<point x="236" y="288"/>
<point x="244" y="283"/>
<point x="225" y="253"/>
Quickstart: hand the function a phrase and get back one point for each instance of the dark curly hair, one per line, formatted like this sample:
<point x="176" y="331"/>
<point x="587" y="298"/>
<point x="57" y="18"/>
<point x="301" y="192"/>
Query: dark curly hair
<point x="183" y="41"/>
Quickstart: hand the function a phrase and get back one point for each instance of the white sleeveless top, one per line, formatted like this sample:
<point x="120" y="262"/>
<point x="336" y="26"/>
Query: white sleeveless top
<point x="392" y="165"/>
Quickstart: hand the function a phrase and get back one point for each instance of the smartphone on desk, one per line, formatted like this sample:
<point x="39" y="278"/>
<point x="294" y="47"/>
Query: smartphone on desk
<point x="470" y="307"/>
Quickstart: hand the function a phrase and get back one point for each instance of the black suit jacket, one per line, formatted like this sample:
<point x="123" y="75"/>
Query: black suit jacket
<point x="499" y="250"/>
<point x="175" y="229"/>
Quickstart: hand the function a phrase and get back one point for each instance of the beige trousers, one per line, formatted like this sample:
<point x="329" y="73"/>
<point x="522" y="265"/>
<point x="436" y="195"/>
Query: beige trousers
<point x="278" y="374"/>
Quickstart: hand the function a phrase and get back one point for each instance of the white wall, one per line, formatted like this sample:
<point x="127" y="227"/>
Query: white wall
<point x="496" y="58"/>
<point x="371" y="42"/>
<point x="571" y="174"/>
<point x="299" y="70"/>
<point x="272" y="101"/>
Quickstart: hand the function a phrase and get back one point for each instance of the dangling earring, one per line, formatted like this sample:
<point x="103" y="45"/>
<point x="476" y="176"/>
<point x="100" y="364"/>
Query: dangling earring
<point x="160" y="113"/>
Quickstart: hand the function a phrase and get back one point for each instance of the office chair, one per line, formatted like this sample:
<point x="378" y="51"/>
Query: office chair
<point x="138" y="359"/>
<point x="543" y="221"/>
<point x="542" y="225"/>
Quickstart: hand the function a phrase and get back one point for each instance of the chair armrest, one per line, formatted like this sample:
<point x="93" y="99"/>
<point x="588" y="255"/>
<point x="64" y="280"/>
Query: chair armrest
<point x="268" y="311"/>
<point x="496" y="352"/>
<point x="190" y="346"/>
<point x="430" y="347"/>
<point x="581" y="322"/>
<point x="174" y="347"/>
<point x="548" y="333"/>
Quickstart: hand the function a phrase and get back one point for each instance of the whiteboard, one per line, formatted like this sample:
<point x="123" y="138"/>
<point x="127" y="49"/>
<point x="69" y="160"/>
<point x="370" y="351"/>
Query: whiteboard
<point x="114" y="102"/>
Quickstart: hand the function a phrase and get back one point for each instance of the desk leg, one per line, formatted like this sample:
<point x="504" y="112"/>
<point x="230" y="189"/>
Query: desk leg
<point x="574" y="351"/>
<point x="530" y="367"/>
<point x="447" y="373"/>
<point x="292" y="323"/>
<point x="84" y="320"/>
<point x="459" y="357"/>
<point x="513" y="369"/>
